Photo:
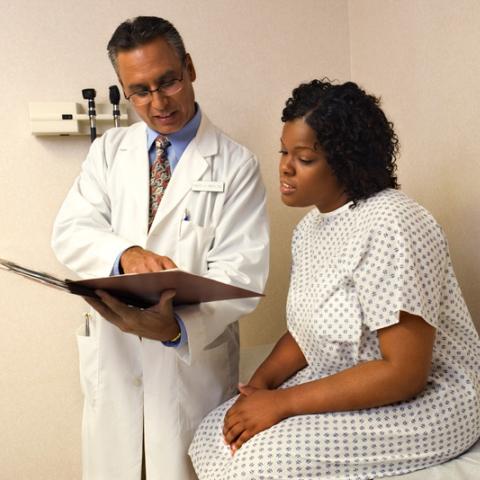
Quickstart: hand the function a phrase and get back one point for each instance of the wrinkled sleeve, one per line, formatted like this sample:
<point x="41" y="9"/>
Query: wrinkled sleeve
<point x="83" y="238"/>
<point x="402" y="268"/>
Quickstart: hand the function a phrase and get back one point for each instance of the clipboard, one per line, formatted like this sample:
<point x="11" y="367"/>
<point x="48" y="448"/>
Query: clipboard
<point x="140" y="289"/>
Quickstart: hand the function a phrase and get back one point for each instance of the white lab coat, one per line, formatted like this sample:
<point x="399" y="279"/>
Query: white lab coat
<point x="125" y="381"/>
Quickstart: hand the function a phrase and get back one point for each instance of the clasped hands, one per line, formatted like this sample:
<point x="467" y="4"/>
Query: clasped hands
<point x="156" y="322"/>
<point x="255" y="410"/>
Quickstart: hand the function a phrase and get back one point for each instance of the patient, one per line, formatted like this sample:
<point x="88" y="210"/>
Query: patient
<point x="379" y="371"/>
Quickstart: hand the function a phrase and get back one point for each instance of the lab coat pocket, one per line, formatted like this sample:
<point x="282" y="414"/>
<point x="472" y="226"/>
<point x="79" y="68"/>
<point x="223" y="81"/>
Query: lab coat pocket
<point x="193" y="246"/>
<point x="88" y="364"/>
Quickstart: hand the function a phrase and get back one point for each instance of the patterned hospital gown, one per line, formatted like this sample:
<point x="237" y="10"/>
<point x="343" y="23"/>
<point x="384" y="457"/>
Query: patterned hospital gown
<point x="353" y="270"/>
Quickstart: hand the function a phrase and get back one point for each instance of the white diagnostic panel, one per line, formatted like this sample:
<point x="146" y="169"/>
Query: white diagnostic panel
<point x="70" y="118"/>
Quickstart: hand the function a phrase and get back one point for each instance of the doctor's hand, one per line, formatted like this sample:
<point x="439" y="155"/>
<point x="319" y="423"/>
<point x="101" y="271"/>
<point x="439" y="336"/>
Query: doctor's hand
<point x="139" y="260"/>
<point x="255" y="410"/>
<point x="156" y="322"/>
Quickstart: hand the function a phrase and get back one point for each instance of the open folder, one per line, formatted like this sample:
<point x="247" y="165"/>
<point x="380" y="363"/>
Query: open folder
<point x="141" y="289"/>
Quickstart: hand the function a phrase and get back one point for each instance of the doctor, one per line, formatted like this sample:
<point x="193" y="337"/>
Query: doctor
<point x="172" y="190"/>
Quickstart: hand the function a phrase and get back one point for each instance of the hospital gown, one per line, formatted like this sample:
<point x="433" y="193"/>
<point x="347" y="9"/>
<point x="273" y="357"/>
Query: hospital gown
<point x="353" y="270"/>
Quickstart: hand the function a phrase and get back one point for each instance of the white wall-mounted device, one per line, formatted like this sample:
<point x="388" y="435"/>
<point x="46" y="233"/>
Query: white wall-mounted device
<point x="70" y="118"/>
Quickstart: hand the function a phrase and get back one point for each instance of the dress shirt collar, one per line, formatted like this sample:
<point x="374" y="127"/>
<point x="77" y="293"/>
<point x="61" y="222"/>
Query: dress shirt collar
<point x="179" y="140"/>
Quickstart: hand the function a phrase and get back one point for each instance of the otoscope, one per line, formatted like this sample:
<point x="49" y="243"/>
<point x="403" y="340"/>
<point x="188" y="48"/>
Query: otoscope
<point x="115" y="100"/>
<point x="89" y="94"/>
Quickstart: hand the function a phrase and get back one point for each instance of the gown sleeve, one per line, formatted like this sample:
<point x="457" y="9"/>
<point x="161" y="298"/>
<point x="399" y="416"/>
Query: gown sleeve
<point x="402" y="267"/>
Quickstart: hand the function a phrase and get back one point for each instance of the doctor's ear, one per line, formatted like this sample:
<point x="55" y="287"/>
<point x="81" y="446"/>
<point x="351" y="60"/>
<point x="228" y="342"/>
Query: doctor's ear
<point x="190" y="68"/>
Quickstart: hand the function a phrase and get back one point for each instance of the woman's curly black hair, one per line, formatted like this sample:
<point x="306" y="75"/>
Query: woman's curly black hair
<point x="359" y="142"/>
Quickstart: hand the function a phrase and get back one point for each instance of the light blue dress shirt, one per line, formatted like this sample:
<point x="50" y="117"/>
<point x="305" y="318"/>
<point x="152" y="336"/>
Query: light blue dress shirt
<point x="178" y="141"/>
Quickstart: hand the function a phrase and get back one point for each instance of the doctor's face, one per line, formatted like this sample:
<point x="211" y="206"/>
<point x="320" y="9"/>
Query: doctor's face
<point x="305" y="176"/>
<point x="155" y="65"/>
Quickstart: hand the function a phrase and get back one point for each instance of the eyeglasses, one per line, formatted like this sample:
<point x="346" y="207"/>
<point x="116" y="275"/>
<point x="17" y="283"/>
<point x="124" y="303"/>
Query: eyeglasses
<point x="167" y="88"/>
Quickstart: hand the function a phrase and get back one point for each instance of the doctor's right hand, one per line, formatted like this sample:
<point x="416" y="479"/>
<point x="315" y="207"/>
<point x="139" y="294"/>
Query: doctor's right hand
<point x="138" y="260"/>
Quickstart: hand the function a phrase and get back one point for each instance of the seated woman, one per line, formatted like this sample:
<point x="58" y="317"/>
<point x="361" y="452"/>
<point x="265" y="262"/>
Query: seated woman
<point x="379" y="371"/>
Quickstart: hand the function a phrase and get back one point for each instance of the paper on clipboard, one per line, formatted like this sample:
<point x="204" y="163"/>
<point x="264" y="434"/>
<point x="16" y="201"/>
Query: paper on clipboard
<point x="141" y="289"/>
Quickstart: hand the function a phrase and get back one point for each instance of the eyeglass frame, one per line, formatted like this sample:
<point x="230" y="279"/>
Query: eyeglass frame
<point x="159" y="89"/>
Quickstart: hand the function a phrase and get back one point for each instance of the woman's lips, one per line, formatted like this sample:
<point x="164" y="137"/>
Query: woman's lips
<point x="286" y="188"/>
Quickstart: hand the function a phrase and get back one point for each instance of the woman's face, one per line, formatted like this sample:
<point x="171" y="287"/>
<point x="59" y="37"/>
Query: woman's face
<point x="305" y="177"/>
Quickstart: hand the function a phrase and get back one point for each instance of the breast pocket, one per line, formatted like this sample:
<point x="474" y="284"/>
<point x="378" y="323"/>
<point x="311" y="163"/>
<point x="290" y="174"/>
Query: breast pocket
<point x="194" y="242"/>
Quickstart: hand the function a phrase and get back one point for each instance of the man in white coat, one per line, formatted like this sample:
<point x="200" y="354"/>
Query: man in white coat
<point x="149" y="376"/>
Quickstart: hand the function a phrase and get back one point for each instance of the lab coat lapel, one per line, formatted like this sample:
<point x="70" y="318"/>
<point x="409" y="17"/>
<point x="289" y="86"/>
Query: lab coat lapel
<point x="191" y="166"/>
<point x="138" y="178"/>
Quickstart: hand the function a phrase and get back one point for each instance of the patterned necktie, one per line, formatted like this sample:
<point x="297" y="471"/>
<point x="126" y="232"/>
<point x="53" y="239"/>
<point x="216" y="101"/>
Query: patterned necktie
<point x="159" y="176"/>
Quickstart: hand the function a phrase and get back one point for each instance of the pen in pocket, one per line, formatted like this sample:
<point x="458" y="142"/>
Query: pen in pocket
<point x="87" y="324"/>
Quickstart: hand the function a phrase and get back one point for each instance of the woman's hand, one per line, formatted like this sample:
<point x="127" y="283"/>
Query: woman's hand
<point x="255" y="410"/>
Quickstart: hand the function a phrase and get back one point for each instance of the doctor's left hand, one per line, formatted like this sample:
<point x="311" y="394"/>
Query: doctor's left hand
<point x="157" y="322"/>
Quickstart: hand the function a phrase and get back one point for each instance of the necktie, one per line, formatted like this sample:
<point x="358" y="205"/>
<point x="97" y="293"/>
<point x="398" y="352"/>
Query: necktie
<point x="159" y="176"/>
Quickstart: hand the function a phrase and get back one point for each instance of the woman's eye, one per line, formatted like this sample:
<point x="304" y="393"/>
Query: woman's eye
<point x="282" y="152"/>
<point x="305" y="160"/>
<point x="142" y="93"/>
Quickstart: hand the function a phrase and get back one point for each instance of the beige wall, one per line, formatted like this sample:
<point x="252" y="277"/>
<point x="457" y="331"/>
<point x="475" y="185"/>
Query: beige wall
<point x="421" y="56"/>
<point x="248" y="55"/>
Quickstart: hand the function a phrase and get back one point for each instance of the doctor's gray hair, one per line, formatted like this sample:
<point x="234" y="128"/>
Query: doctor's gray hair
<point x="140" y="31"/>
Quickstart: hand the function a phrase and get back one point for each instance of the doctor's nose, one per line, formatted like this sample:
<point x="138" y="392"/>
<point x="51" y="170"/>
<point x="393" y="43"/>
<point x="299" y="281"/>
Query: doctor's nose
<point x="159" y="101"/>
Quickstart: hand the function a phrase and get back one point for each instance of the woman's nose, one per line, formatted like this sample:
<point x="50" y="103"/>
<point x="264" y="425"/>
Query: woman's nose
<point x="286" y="166"/>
